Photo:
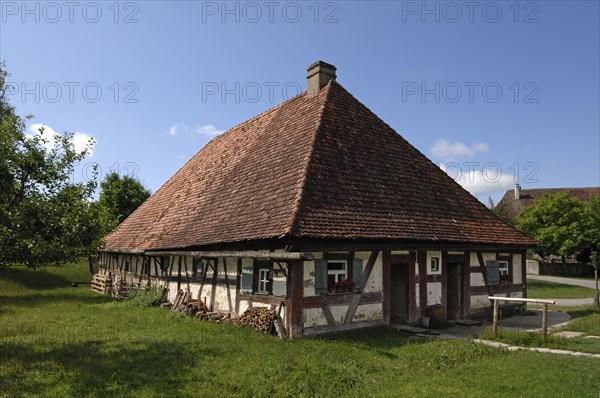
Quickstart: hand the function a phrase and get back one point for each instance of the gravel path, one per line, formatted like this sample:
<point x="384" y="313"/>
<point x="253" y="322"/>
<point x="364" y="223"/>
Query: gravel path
<point x="565" y="281"/>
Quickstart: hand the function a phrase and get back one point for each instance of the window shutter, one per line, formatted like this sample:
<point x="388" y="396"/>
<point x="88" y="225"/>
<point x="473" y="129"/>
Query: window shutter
<point x="320" y="276"/>
<point x="493" y="272"/>
<point x="247" y="279"/>
<point x="357" y="272"/>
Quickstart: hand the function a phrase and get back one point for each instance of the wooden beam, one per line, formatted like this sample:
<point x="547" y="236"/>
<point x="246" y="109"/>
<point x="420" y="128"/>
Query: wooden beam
<point x="123" y="251"/>
<point x="340" y="327"/>
<point x="364" y="278"/>
<point x="386" y="275"/>
<point x="483" y="272"/>
<point x="295" y="295"/>
<point x="229" y="304"/>
<point x="328" y="315"/>
<point x="256" y="254"/>
<point x="340" y="299"/>
<point x="422" y="260"/>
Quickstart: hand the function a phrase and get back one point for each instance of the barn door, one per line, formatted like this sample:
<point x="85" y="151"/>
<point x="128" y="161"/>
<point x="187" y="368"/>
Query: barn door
<point x="399" y="293"/>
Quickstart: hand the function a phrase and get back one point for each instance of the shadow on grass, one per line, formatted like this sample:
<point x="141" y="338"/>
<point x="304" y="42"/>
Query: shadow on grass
<point x="31" y="300"/>
<point x="30" y="279"/>
<point x="97" y="368"/>
<point x="379" y="339"/>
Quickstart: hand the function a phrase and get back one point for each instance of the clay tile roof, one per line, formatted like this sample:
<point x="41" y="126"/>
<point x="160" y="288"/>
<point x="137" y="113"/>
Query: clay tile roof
<point x="529" y="196"/>
<point x="311" y="167"/>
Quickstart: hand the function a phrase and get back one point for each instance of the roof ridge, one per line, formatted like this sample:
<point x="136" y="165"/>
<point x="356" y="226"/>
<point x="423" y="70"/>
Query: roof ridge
<point x="298" y="201"/>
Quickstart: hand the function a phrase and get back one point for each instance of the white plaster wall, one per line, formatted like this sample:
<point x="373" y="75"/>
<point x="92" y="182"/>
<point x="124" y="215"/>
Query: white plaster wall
<point x="338" y="312"/>
<point x="368" y="312"/>
<point x="375" y="281"/>
<point x="399" y="251"/>
<point x="477" y="279"/>
<point x="516" y="260"/>
<point x="431" y="254"/>
<point x="479" y="302"/>
<point x="313" y="317"/>
<point x="309" y="278"/>
<point x="456" y="253"/>
<point x="434" y="293"/>
<point x="516" y="294"/>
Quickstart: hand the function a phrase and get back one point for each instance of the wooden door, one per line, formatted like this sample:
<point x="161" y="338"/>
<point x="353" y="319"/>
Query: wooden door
<point x="454" y="297"/>
<point x="399" y="293"/>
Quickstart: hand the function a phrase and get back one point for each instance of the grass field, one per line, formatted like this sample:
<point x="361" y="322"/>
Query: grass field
<point x="59" y="341"/>
<point x="552" y="290"/>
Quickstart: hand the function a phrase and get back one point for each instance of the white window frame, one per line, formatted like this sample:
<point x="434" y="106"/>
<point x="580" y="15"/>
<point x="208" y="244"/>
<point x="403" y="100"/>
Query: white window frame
<point x="435" y="264"/>
<point x="264" y="281"/>
<point x="503" y="267"/>
<point x="340" y="275"/>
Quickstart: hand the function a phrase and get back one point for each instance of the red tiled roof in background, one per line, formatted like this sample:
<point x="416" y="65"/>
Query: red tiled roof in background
<point x="313" y="167"/>
<point x="528" y="197"/>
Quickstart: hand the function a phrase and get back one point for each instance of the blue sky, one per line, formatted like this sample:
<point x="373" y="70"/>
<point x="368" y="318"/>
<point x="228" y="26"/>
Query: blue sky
<point x="495" y="91"/>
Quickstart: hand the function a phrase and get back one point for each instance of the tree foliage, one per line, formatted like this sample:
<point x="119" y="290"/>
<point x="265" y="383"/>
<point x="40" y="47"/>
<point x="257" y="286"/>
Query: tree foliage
<point x="498" y="210"/>
<point x="122" y="195"/>
<point x="564" y="224"/>
<point x="45" y="218"/>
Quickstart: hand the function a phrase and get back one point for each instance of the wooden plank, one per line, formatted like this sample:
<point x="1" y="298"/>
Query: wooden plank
<point x="340" y="299"/>
<point x="256" y="254"/>
<point x="386" y="274"/>
<point x="229" y="303"/>
<point x="467" y="284"/>
<point x="422" y="260"/>
<point x="524" y="272"/>
<point x="328" y="315"/>
<point x="295" y="295"/>
<point x="352" y="308"/>
<point x="522" y="300"/>
<point x="340" y="327"/>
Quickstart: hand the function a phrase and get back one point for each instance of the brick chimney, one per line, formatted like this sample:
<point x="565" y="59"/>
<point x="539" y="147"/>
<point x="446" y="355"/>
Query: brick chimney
<point x="318" y="75"/>
<point x="517" y="191"/>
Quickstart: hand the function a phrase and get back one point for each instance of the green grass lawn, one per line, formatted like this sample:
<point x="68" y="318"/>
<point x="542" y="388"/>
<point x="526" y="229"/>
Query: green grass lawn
<point x="59" y="341"/>
<point x="552" y="290"/>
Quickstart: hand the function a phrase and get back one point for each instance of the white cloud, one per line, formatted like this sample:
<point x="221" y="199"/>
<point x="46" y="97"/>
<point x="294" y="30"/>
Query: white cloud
<point x="79" y="140"/>
<point x="447" y="151"/>
<point x="177" y="128"/>
<point x="488" y="180"/>
<point x="208" y="130"/>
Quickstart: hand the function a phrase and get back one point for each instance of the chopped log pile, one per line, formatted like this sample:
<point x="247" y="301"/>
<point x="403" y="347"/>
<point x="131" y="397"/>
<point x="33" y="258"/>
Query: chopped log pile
<point x="195" y="307"/>
<point x="258" y="318"/>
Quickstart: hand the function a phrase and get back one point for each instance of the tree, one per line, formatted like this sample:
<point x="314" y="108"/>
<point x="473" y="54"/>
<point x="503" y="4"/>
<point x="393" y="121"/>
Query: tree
<point x="500" y="211"/>
<point x="122" y="195"/>
<point x="45" y="218"/>
<point x="560" y="222"/>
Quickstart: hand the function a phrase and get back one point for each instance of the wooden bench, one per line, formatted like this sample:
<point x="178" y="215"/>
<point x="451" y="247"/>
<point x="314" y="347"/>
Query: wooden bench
<point x="509" y="308"/>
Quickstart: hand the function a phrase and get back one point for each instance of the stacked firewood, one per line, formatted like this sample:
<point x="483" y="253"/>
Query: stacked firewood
<point x="195" y="307"/>
<point x="258" y="318"/>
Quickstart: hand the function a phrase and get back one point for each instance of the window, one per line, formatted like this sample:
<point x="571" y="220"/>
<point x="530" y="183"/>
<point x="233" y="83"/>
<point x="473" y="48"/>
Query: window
<point x="258" y="278"/>
<point x="336" y="272"/>
<point x="264" y="281"/>
<point x="503" y="267"/>
<point x="333" y="275"/>
<point x="197" y="268"/>
<point x="435" y="264"/>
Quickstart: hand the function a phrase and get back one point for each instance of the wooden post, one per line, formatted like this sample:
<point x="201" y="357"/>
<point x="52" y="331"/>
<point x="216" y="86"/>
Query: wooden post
<point x="544" y="321"/>
<point x="495" y="324"/>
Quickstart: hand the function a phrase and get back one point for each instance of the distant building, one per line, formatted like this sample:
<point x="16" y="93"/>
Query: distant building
<point x="516" y="200"/>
